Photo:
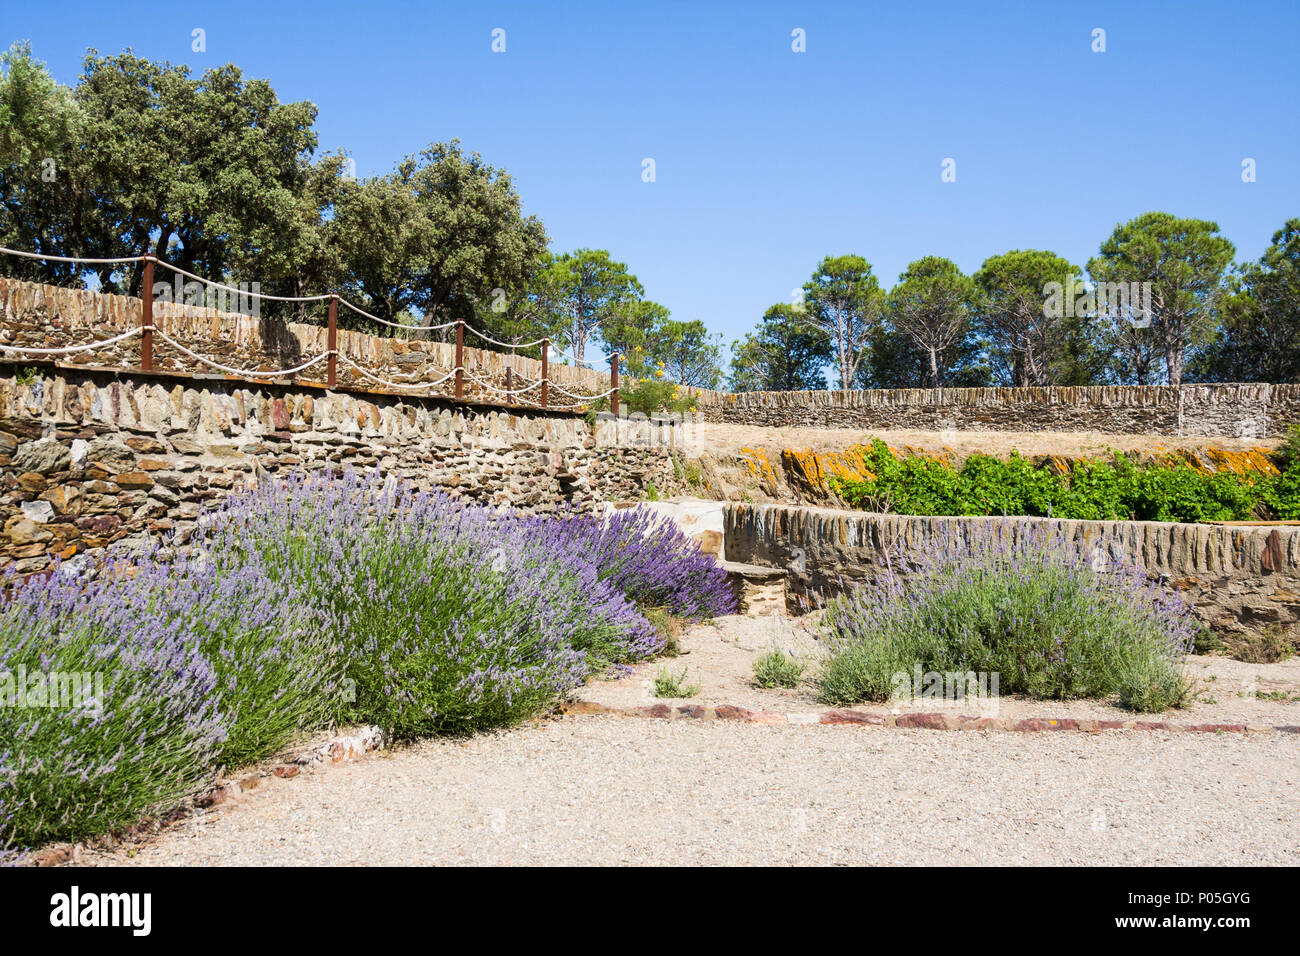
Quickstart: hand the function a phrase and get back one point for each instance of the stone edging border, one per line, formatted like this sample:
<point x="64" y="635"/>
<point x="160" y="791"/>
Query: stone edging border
<point x="342" y="749"/>
<point x="924" y="721"/>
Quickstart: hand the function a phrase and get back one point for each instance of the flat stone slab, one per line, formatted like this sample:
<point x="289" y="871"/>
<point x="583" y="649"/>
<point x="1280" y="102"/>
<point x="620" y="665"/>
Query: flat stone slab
<point x="753" y="572"/>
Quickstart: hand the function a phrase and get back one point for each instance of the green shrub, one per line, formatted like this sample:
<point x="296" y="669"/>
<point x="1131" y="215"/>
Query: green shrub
<point x="669" y="628"/>
<point x="1288" y="453"/>
<point x="670" y="683"/>
<point x="650" y="396"/>
<point x="1026" y="606"/>
<point x="1117" y="489"/>
<point x="776" y="668"/>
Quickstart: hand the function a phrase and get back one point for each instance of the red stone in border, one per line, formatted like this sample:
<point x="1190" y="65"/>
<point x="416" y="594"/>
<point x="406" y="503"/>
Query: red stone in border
<point x="661" y="711"/>
<point x="1156" y="725"/>
<point x="1046" y="723"/>
<point x="731" y="712"/>
<point x="923" y="721"/>
<point x="766" y="717"/>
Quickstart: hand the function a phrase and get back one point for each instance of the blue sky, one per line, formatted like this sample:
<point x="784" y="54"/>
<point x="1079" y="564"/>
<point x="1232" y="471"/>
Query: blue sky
<point x="767" y="159"/>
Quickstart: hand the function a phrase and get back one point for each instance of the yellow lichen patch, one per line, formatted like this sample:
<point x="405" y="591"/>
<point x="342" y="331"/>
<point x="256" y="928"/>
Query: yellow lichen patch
<point x="813" y="469"/>
<point x="1255" y="461"/>
<point x="760" y="468"/>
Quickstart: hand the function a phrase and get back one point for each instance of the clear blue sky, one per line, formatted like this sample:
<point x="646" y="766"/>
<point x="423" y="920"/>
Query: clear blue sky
<point x="767" y="159"/>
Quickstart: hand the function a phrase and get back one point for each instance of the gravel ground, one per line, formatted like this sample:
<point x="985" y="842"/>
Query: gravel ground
<point x="720" y="658"/>
<point x="723" y="439"/>
<point x="600" y="790"/>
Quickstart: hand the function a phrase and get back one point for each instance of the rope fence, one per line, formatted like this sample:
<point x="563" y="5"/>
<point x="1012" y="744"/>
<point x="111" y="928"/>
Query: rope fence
<point x="331" y="356"/>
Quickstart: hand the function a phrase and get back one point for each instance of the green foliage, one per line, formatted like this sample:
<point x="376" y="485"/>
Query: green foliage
<point x="1258" y="338"/>
<point x="670" y="683"/>
<point x="1288" y="453"/>
<point x="652" y="397"/>
<point x="588" y="294"/>
<point x="776" y="668"/>
<point x="785" y="354"/>
<point x="1115" y="489"/>
<point x="651" y="491"/>
<point x="219" y="177"/>
<point x="1184" y="259"/>
<point x="843" y="304"/>
<point x="1027" y="343"/>
<point x="669" y="628"/>
<point x="1037" y="614"/>
<point x="688" y="470"/>
<point x="931" y="309"/>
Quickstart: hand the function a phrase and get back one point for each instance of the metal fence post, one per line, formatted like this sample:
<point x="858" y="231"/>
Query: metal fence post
<point x="332" y="343"/>
<point x="546" y="370"/>
<point x="510" y="383"/>
<point x="146" y="316"/>
<point x="460" y="358"/>
<point x="613" y="382"/>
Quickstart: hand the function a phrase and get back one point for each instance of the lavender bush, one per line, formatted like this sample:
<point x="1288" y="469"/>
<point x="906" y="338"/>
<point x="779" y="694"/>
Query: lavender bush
<point x="309" y="601"/>
<point x="451" y="618"/>
<point x="1053" y="620"/>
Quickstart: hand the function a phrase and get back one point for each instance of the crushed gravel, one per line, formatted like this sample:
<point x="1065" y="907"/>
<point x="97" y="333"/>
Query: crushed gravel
<point x="600" y="790"/>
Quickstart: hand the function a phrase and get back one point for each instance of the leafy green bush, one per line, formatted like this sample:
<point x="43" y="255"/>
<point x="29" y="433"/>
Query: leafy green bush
<point x="1118" y="489"/>
<point x="1288" y="453"/>
<point x="670" y="683"/>
<point x="1025" y="605"/>
<point x="776" y="668"/>
<point x="1284" y="494"/>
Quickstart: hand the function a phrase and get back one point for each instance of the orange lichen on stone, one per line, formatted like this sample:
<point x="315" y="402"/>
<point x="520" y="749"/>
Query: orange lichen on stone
<point x="814" y="469"/>
<point x="760" y="468"/>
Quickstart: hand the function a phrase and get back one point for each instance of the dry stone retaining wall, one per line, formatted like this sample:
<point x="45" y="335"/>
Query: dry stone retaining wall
<point x="92" y="459"/>
<point x="1238" y="410"/>
<point x="1239" y="578"/>
<point x="46" y="316"/>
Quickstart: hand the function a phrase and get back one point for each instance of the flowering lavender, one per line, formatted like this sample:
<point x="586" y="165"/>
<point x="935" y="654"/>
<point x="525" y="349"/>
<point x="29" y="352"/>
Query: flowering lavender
<point x="155" y="737"/>
<point x="1054" y="619"/>
<point x="311" y="600"/>
<point x="452" y="616"/>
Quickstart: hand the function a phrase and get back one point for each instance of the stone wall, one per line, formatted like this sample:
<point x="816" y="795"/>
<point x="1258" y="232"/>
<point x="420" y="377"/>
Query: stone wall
<point x="1239" y="411"/>
<point x="46" y="316"/>
<point x="96" y="458"/>
<point x="1239" y="578"/>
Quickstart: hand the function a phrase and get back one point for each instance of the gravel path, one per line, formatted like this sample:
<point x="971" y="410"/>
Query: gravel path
<point x="719" y="657"/>
<point x="599" y="790"/>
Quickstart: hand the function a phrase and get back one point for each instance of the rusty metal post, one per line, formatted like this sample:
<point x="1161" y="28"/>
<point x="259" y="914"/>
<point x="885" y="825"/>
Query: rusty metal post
<point x="460" y="358"/>
<point x="146" y="316"/>
<point x="510" y="383"/>
<point x="332" y="343"/>
<point x="546" y="369"/>
<point x="613" y="382"/>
